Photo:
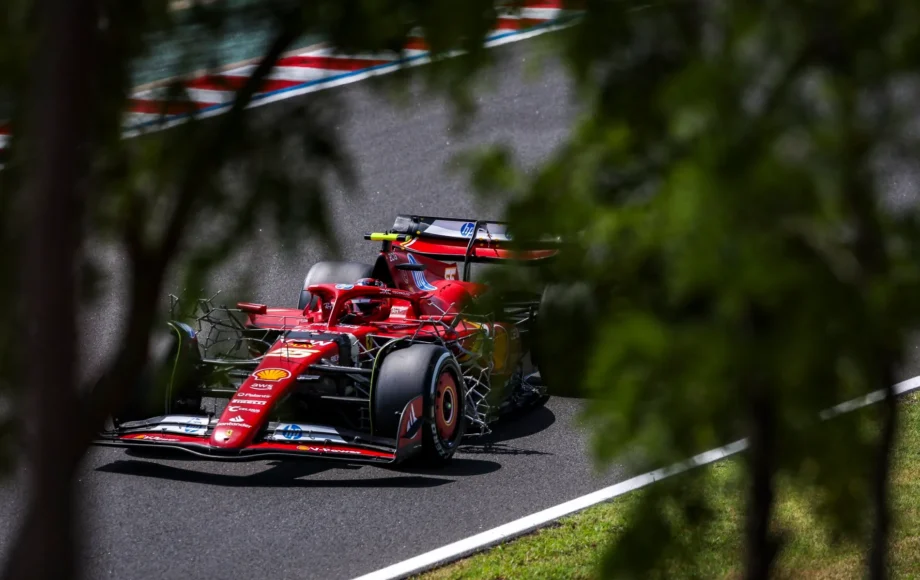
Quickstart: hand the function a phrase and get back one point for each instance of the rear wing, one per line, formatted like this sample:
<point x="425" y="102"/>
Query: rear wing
<point x="451" y="229"/>
<point x="472" y="240"/>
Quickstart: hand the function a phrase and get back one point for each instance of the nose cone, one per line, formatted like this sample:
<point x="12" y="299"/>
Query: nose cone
<point x="242" y="418"/>
<point x="252" y="405"/>
<point x="230" y="437"/>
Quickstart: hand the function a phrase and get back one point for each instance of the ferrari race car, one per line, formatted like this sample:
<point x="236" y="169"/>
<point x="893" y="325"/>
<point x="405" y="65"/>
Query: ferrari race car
<point x="380" y="362"/>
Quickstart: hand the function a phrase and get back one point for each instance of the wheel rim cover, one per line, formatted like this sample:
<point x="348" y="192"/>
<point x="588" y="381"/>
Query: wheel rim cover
<point x="445" y="406"/>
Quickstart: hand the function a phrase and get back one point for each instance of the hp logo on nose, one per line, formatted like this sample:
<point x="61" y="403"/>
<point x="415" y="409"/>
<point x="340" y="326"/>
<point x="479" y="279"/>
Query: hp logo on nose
<point x="292" y="432"/>
<point x="466" y="230"/>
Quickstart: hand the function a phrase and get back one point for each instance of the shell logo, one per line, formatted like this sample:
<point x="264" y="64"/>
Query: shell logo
<point x="272" y="374"/>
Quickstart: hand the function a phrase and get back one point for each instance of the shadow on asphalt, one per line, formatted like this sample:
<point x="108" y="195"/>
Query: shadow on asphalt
<point x="288" y="473"/>
<point x="517" y="425"/>
<point x="282" y="475"/>
<point x="458" y="467"/>
<point x="523" y="423"/>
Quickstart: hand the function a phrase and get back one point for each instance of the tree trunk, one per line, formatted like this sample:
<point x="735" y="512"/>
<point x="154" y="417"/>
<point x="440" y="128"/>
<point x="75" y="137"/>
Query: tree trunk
<point x="881" y="521"/>
<point x="45" y="547"/>
<point x="760" y="546"/>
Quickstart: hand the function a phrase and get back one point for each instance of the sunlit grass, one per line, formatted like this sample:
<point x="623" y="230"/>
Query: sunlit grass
<point x="573" y="547"/>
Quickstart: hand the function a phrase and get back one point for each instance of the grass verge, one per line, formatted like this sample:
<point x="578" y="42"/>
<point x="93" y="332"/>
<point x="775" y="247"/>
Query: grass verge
<point x="572" y="548"/>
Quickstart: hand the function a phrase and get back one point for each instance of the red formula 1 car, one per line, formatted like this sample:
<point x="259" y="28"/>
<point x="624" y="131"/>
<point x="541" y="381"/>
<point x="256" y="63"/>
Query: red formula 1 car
<point x="377" y="363"/>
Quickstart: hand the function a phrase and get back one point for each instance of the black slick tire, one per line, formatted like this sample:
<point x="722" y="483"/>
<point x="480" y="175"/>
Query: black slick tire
<point x="430" y="371"/>
<point x="562" y="332"/>
<point x="168" y="383"/>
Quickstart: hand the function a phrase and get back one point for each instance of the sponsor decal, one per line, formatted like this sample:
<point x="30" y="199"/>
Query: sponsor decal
<point x="399" y="310"/>
<point x="292" y="432"/>
<point x="228" y="424"/>
<point x="157" y="438"/>
<point x="396" y="292"/>
<point x="238" y="409"/>
<point x="273" y="375"/>
<point x="252" y="395"/>
<point x="237" y="419"/>
<point x="392" y="257"/>
<point x="248" y="402"/>
<point x="289" y="352"/>
<point x="327" y="305"/>
<point x="450" y="273"/>
<point x="344" y="286"/>
<point x="195" y="426"/>
<point x="261" y="386"/>
<point x="318" y="449"/>
<point x="451" y="228"/>
<point x="306" y="343"/>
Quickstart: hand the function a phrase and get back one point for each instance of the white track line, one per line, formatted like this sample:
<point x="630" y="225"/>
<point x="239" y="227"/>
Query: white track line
<point x="465" y="547"/>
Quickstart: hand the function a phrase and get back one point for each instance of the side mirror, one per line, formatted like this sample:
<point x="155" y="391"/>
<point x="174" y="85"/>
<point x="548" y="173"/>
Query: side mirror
<point x="252" y="308"/>
<point x="411" y="267"/>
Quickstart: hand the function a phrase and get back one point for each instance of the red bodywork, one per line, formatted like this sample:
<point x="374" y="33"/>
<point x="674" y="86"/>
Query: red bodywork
<point x="423" y="303"/>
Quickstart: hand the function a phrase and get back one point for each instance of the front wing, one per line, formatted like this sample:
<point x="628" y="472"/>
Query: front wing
<point x="319" y="442"/>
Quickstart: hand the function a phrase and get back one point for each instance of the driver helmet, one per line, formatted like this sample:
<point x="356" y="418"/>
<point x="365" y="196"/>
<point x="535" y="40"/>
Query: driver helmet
<point x="370" y="282"/>
<point x="370" y="309"/>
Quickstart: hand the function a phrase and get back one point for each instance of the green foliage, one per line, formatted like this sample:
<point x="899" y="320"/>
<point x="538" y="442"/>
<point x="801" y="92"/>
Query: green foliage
<point x="569" y="548"/>
<point x="724" y="197"/>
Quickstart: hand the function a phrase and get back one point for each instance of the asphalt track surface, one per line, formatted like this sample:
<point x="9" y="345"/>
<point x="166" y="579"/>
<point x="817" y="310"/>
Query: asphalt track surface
<point x="173" y="518"/>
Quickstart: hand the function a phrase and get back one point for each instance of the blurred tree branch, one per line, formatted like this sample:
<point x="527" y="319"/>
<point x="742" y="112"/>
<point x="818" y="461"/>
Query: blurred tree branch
<point x="54" y="191"/>
<point x="756" y="275"/>
<point x="147" y="193"/>
<point x="150" y="265"/>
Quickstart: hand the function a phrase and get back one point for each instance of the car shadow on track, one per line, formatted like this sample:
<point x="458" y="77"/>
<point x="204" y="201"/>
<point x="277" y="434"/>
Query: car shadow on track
<point x="517" y="425"/>
<point x="288" y="474"/>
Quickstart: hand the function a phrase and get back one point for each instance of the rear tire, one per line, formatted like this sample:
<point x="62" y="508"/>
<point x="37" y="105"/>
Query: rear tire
<point x="331" y="273"/>
<point x="430" y="371"/>
<point x="562" y="335"/>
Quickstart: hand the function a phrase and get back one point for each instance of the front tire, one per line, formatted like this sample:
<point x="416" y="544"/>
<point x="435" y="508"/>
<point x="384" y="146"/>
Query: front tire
<point x="429" y="371"/>
<point x="169" y="383"/>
